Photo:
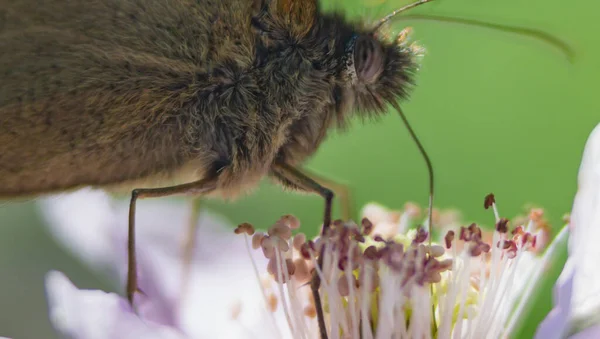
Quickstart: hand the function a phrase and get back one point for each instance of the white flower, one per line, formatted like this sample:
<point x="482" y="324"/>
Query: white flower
<point x="220" y="298"/>
<point x="377" y="278"/>
<point x="577" y="292"/>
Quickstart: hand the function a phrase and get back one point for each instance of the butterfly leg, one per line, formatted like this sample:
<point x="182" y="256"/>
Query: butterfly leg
<point x="194" y="188"/>
<point x="342" y="193"/>
<point x="292" y="177"/>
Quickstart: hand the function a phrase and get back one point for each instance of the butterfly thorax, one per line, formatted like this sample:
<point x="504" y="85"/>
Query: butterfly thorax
<point x="309" y="73"/>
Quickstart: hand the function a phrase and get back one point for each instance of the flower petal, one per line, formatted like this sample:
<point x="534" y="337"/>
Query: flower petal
<point x="577" y="291"/>
<point x="556" y="323"/>
<point x="220" y="277"/>
<point x="79" y="220"/>
<point x="90" y="314"/>
<point x="225" y="294"/>
<point x="88" y="223"/>
<point x="585" y="223"/>
<point x="588" y="333"/>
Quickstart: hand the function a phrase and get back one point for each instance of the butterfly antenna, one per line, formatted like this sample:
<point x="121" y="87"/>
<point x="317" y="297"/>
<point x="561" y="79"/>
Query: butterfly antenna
<point x="535" y="34"/>
<point x="398" y="11"/>
<point x="539" y="35"/>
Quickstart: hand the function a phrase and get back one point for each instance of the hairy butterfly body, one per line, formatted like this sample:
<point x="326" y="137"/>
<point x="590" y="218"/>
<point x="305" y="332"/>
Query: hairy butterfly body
<point x="111" y="92"/>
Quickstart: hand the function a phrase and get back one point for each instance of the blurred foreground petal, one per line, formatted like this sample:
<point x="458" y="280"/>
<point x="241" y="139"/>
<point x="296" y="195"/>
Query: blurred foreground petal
<point x="88" y="314"/>
<point x="589" y="333"/>
<point x="206" y="304"/>
<point x="556" y="323"/>
<point x="577" y="292"/>
<point x="79" y="221"/>
<point x="585" y="229"/>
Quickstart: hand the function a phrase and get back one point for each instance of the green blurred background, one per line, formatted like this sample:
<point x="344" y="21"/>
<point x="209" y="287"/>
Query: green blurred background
<point x="496" y="111"/>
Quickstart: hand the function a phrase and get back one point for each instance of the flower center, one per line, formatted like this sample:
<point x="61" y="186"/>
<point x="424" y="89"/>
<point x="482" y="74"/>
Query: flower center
<point x="377" y="283"/>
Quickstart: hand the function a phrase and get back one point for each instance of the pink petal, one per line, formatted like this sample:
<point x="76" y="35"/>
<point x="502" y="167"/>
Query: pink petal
<point x="221" y="275"/>
<point x="79" y="221"/>
<point x="89" y="314"/>
<point x="589" y="333"/>
<point x="585" y="223"/>
<point x="556" y="323"/>
<point x="577" y="291"/>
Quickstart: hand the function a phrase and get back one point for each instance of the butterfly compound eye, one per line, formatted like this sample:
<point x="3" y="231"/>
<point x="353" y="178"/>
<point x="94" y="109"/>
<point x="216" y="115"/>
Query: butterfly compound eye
<point x="368" y="59"/>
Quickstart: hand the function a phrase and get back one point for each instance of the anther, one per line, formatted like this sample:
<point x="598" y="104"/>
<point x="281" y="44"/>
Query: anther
<point x="489" y="201"/>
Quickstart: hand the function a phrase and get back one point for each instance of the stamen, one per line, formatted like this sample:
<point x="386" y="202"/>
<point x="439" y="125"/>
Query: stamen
<point x="273" y="302"/>
<point x="267" y="300"/>
<point x="352" y="284"/>
<point x="400" y="286"/>
<point x="367" y="226"/>
<point x="257" y="239"/>
<point x="298" y="241"/>
<point x="502" y="225"/>
<point x="244" y="228"/>
<point x="290" y="221"/>
<point x="365" y="299"/>
<point x="302" y="273"/>
<point x="449" y="238"/>
<point x="489" y="201"/>
<point x="280" y="285"/>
